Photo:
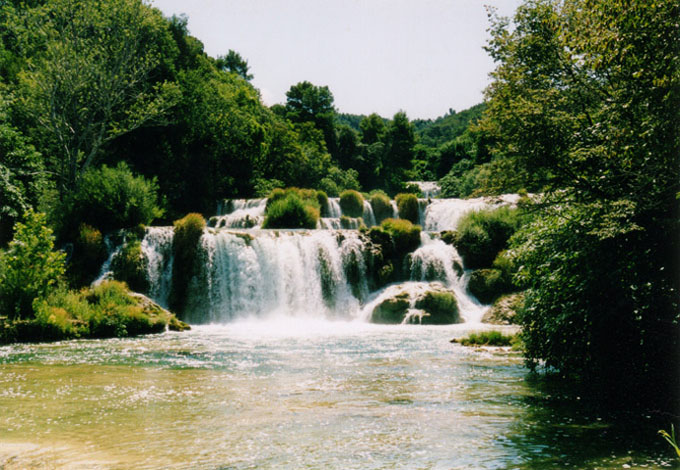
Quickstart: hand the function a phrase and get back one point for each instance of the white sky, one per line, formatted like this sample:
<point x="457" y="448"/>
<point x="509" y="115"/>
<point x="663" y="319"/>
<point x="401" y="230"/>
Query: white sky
<point x="420" y="56"/>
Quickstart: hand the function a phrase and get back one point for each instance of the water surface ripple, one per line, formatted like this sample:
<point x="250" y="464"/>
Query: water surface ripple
<point x="294" y="394"/>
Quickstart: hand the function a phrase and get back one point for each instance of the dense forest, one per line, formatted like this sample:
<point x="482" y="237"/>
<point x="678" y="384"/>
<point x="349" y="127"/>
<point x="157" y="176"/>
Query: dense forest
<point x="113" y="117"/>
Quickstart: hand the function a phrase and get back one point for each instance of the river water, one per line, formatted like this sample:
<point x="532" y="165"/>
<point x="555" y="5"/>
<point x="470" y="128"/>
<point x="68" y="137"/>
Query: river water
<point x="299" y="393"/>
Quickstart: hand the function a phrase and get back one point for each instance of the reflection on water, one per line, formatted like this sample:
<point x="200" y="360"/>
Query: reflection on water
<point x="293" y="395"/>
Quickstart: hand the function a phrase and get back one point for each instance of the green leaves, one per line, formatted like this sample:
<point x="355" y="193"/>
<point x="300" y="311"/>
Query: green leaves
<point x="29" y="268"/>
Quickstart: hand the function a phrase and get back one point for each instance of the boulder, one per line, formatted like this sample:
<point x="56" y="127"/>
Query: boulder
<point x="155" y="311"/>
<point x="504" y="309"/>
<point x="488" y="285"/>
<point x="418" y="303"/>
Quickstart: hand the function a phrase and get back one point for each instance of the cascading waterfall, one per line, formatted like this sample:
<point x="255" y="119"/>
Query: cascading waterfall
<point x="288" y="273"/>
<point x="438" y="261"/>
<point x="444" y="214"/>
<point x="157" y="248"/>
<point x="245" y="272"/>
<point x="240" y="213"/>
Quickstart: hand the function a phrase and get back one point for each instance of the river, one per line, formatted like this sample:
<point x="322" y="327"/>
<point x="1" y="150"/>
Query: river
<point x="295" y="393"/>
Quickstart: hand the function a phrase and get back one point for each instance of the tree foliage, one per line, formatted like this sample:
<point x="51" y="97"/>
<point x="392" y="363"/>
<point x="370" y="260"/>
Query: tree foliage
<point x="30" y="268"/>
<point x="584" y="105"/>
<point x="88" y="78"/>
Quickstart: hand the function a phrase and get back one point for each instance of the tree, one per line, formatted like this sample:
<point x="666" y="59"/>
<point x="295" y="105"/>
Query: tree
<point x="29" y="269"/>
<point x="234" y="63"/>
<point x="373" y="129"/>
<point x="309" y="103"/>
<point x="89" y="78"/>
<point x="584" y="104"/>
<point x="22" y="177"/>
<point x="400" y="141"/>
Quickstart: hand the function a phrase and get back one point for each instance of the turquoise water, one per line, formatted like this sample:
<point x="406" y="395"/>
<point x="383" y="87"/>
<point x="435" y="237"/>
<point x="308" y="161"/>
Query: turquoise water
<point x="299" y="394"/>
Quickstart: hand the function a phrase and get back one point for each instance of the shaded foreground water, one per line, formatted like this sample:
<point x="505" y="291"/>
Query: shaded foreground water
<point x="298" y="393"/>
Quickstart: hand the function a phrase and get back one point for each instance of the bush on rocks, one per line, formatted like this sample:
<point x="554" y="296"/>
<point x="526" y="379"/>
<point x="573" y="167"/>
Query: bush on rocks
<point x="352" y="203"/>
<point x="407" y="204"/>
<point x="130" y="266"/>
<point x="381" y="205"/>
<point x="488" y="284"/>
<point x="405" y="235"/>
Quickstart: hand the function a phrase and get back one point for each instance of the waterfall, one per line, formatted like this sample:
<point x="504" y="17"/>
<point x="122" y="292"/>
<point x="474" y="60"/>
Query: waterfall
<point x="438" y="261"/>
<point x="308" y="273"/>
<point x="323" y="273"/>
<point x="240" y="213"/>
<point x="428" y="188"/>
<point x="444" y="214"/>
<point x="334" y="210"/>
<point x="157" y="248"/>
<point x="368" y="216"/>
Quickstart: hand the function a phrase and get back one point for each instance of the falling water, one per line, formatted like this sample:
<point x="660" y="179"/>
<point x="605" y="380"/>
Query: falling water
<point x="157" y="248"/>
<point x="297" y="273"/>
<point x="310" y="273"/>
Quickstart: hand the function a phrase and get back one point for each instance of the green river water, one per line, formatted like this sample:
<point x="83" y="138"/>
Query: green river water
<point x="300" y="394"/>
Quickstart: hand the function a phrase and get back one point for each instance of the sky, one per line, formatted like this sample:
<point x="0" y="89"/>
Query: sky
<point x="423" y="57"/>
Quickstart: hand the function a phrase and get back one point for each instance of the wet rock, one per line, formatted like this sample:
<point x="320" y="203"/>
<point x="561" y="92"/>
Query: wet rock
<point x="417" y="303"/>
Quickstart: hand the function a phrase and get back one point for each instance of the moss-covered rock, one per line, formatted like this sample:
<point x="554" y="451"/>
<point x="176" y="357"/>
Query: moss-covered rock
<point x="481" y="235"/>
<point x="504" y="309"/>
<point x="381" y="205"/>
<point x="426" y="304"/>
<point x="352" y="203"/>
<point x="106" y="310"/>
<point x="131" y="266"/>
<point x="292" y="211"/>
<point x="322" y="199"/>
<point x="407" y="204"/>
<point x="405" y="235"/>
<point x="440" y="306"/>
<point x="392" y="310"/>
<point x="89" y="252"/>
<point x="185" y="248"/>
<point x="488" y="284"/>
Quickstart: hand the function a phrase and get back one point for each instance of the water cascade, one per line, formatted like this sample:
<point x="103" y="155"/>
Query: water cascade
<point x="246" y="271"/>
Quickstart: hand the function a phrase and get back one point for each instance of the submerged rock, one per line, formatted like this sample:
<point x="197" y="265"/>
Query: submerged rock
<point x="417" y="303"/>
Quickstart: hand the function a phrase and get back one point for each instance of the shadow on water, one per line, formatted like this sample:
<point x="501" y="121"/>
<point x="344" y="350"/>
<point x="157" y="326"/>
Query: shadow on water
<point x="562" y="428"/>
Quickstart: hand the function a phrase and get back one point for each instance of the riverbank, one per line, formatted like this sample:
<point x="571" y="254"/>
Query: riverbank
<point x="107" y="310"/>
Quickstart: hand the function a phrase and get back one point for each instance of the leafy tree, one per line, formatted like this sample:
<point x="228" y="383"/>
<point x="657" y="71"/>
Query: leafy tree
<point x="400" y="140"/>
<point x="89" y="78"/>
<point x="234" y="63"/>
<point x="584" y="104"/>
<point x="309" y="103"/>
<point x="373" y="129"/>
<point x="29" y="268"/>
<point x="22" y="177"/>
<point x="112" y="198"/>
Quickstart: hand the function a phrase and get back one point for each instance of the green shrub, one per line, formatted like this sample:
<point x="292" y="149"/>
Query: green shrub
<point x="352" y="203"/>
<point x="405" y="235"/>
<point x="29" y="268"/>
<point x="185" y="248"/>
<point x="482" y="234"/>
<point x="89" y="252"/>
<point x="488" y="284"/>
<point x="488" y="338"/>
<point x="322" y="200"/>
<point x="105" y="310"/>
<point x="291" y="212"/>
<point x="131" y="266"/>
<point x="381" y="205"/>
<point x="113" y="198"/>
<point x="407" y="204"/>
